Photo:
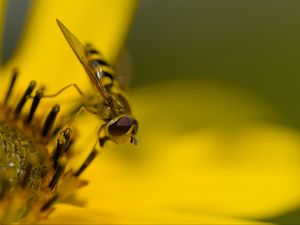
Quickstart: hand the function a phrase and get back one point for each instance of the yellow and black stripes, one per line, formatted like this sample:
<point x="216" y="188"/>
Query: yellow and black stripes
<point x="103" y="71"/>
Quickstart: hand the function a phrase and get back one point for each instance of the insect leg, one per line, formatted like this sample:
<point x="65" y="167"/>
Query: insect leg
<point x="87" y="162"/>
<point x="102" y="136"/>
<point x="69" y="120"/>
<point x="81" y="109"/>
<point x="73" y="115"/>
<point x="65" y="88"/>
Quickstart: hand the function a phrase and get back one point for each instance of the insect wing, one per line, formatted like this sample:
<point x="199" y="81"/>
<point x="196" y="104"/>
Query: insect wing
<point x="79" y="50"/>
<point x="124" y="70"/>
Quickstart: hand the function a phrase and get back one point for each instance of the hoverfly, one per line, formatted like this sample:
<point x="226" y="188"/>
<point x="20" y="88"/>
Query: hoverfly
<point x="110" y="103"/>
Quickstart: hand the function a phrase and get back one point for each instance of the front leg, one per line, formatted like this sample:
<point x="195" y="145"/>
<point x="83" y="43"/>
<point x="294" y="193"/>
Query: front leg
<point x="102" y="135"/>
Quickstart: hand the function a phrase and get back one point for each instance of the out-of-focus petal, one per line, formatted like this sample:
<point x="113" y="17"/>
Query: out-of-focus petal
<point x="205" y="150"/>
<point x="66" y="214"/>
<point x="44" y="54"/>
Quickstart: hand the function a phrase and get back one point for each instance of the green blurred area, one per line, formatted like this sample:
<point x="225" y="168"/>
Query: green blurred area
<point x="253" y="44"/>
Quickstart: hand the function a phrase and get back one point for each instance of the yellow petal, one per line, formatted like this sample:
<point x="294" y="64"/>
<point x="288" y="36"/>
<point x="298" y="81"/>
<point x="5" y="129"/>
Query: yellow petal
<point x="67" y="214"/>
<point x="200" y="151"/>
<point x="44" y="54"/>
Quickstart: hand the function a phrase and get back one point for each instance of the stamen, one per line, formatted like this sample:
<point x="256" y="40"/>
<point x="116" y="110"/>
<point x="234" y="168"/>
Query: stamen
<point x="37" y="98"/>
<point x="50" y="120"/>
<point x="56" y="130"/>
<point x="62" y="143"/>
<point x="68" y="146"/>
<point x="11" y="86"/>
<point x="25" y="97"/>
<point x="87" y="162"/>
<point x="58" y="172"/>
<point x="49" y="203"/>
<point x="33" y="177"/>
<point x="57" y="154"/>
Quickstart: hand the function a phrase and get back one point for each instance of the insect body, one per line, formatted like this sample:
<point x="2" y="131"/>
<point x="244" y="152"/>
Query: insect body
<point x="110" y="104"/>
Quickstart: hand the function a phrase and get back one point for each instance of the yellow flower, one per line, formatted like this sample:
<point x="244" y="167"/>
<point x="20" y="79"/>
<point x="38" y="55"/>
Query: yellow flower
<point x="205" y="156"/>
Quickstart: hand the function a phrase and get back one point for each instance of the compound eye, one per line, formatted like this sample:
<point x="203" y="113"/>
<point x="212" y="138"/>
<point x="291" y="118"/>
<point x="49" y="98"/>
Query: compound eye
<point x="121" y="126"/>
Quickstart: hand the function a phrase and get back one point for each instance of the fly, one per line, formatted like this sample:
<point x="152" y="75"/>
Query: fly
<point x="110" y="104"/>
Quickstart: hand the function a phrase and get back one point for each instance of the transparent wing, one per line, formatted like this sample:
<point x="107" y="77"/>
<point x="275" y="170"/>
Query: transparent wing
<point x="124" y="69"/>
<point x="79" y="50"/>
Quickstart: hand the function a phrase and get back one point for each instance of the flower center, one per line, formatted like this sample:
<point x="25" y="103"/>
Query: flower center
<point x="33" y="158"/>
<point x="23" y="168"/>
<point x="21" y="159"/>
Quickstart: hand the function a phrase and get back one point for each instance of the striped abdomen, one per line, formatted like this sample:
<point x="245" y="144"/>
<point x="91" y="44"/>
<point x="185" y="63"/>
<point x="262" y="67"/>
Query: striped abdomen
<point x="102" y="70"/>
<point x="105" y="74"/>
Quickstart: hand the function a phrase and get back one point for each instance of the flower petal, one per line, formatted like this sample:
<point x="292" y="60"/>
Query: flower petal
<point x="44" y="55"/>
<point x="211" y="154"/>
<point x="66" y="214"/>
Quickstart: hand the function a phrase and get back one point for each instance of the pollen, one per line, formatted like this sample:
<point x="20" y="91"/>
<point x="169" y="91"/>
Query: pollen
<point x="34" y="155"/>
